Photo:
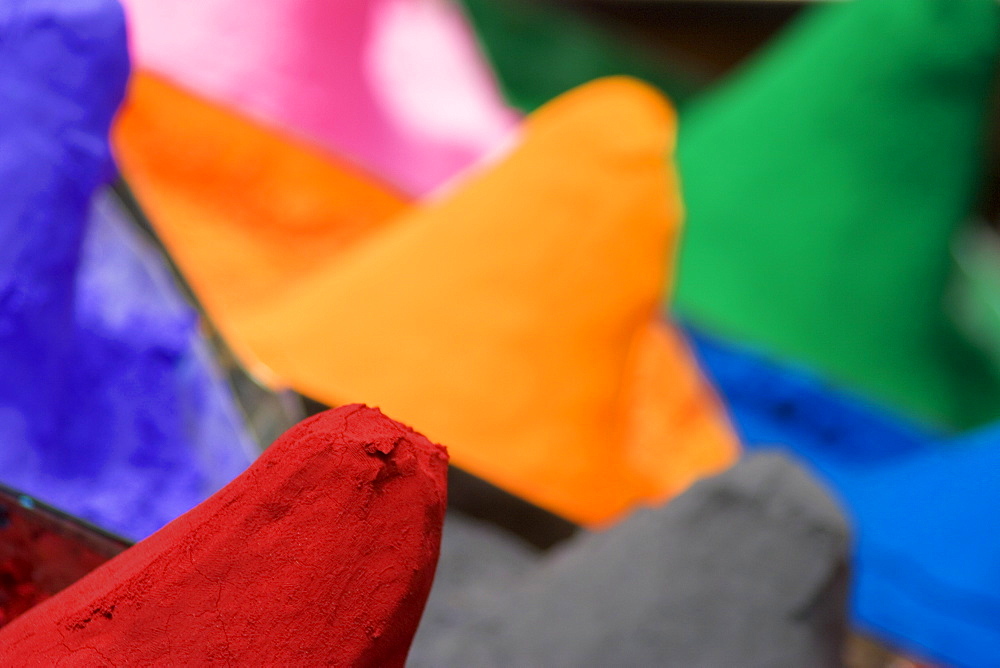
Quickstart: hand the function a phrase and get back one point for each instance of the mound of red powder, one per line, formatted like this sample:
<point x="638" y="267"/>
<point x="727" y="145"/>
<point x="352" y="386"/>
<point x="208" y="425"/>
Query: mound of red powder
<point x="323" y="552"/>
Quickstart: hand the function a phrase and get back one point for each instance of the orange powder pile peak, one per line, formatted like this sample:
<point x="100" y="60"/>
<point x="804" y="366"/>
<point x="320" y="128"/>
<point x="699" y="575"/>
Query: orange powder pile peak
<point x="516" y="319"/>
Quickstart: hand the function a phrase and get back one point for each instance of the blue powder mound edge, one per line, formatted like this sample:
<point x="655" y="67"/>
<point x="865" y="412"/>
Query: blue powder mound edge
<point x="923" y="509"/>
<point x="110" y="407"/>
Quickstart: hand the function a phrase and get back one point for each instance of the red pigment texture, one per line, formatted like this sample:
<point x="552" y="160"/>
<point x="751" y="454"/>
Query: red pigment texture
<point x="321" y="553"/>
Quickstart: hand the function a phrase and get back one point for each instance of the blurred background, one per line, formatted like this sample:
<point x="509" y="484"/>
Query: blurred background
<point x="824" y="275"/>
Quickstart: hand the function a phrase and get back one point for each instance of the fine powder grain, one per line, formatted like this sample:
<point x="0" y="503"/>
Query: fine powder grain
<point x="323" y="552"/>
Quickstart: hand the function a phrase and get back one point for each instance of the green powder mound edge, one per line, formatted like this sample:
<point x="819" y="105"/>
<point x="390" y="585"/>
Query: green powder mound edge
<point x="824" y="183"/>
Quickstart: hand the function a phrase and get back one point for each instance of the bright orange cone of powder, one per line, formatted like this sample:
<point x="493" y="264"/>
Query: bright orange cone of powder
<point x="517" y="321"/>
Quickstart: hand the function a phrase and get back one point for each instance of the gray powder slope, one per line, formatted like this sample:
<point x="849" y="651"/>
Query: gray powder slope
<point x="477" y="560"/>
<point x="748" y="568"/>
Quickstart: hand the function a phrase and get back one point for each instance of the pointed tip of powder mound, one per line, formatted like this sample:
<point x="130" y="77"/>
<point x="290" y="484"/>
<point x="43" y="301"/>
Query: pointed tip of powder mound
<point x="367" y="441"/>
<point x="354" y="425"/>
<point x="619" y="111"/>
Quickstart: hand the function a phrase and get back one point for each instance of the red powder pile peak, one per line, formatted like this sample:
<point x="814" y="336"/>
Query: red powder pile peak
<point x="322" y="552"/>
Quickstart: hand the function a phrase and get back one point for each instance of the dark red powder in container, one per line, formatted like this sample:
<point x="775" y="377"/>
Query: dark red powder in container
<point x="43" y="551"/>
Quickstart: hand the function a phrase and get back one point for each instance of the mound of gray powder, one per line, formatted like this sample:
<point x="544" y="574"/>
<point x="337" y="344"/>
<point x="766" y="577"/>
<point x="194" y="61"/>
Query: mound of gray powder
<point x="748" y="568"/>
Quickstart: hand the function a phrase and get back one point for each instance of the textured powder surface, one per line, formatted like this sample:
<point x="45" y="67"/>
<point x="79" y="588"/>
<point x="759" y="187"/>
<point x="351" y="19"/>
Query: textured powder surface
<point x="821" y="210"/>
<point x="745" y="569"/>
<point x="923" y="508"/>
<point x="110" y="406"/>
<point x="322" y="553"/>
